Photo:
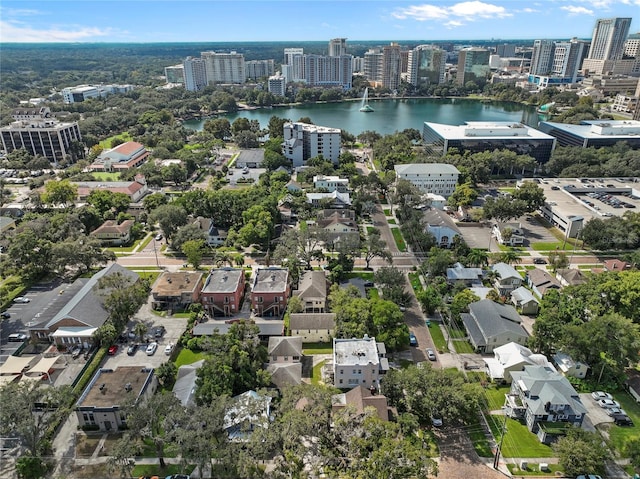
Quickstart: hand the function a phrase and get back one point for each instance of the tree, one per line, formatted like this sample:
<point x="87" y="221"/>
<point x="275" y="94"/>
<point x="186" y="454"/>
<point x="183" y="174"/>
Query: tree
<point x="375" y="247"/>
<point x="509" y="256"/>
<point x="478" y="257"/>
<point x="581" y="452"/>
<point x="121" y="459"/>
<point x="438" y="262"/>
<point x="430" y="299"/>
<point x="166" y="373"/>
<point x="190" y="232"/>
<point x="220" y="128"/>
<point x="31" y="467"/>
<point x="170" y="217"/>
<point x="463" y="195"/>
<point x="388" y="325"/>
<point x="122" y="297"/>
<point x="295" y="305"/>
<point x="152" y="201"/>
<point x="558" y="260"/>
<point x="301" y="245"/>
<point x="105" y="201"/>
<point x="531" y="194"/>
<point x="461" y="302"/>
<point x="192" y="249"/>
<point x="59" y="193"/>
<point x="258" y="226"/>
<point x="392" y="282"/>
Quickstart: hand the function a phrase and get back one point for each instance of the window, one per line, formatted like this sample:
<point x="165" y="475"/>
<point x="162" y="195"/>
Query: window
<point x="226" y="299"/>
<point x="260" y="299"/>
<point x="342" y="371"/>
<point x="341" y="381"/>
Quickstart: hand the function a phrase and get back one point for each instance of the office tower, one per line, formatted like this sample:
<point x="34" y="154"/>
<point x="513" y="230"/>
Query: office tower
<point x="174" y="74"/>
<point x="195" y="76"/>
<point x="473" y="64"/>
<point x="293" y="66"/>
<point x="337" y="47"/>
<point x="426" y="65"/>
<point x="608" y="38"/>
<point x="277" y="84"/>
<point x="542" y="57"/>
<point x="506" y="50"/>
<point x="391" y="66"/>
<point x="632" y="46"/>
<point x="373" y="65"/>
<point x="224" y="67"/>
<point x="567" y="59"/>
<point x="256" y="69"/>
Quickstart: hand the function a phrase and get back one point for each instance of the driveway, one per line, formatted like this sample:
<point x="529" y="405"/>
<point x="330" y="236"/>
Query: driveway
<point x="595" y="413"/>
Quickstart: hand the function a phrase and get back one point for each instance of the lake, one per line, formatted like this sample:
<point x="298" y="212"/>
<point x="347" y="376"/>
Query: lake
<point x="390" y="116"/>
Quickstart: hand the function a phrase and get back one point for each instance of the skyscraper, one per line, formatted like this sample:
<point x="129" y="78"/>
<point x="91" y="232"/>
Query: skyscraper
<point x="473" y="63"/>
<point x="195" y="77"/>
<point x="608" y="38"/>
<point x="426" y="65"/>
<point x="337" y="47"/>
<point x="224" y="67"/>
<point x="567" y="58"/>
<point x="541" y="58"/>
<point x="391" y="66"/>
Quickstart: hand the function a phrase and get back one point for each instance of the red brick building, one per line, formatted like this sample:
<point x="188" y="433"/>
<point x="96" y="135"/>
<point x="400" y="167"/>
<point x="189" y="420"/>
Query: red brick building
<point x="222" y="292"/>
<point x="270" y="291"/>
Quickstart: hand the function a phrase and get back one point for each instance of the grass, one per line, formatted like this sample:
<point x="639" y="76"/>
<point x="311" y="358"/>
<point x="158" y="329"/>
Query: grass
<point x="620" y="435"/>
<point x="151" y="276"/>
<point x="370" y="229"/>
<point x="463" y="347"/>
<point x="373" y="293"/>
<point x="317" y="373"/>
<point x="187" y="356"/>
<point x="361" y="274"/>
<point x="518" y="441"/>
<point x="479" y="440"/>
<point x="552" y="246"/>
<point x="106" y="143"/>
<point x="387" y="212"/>
<point x="317" y="348"/>
<point x="106" y="176"/>
<point x="391" y="221"/>
<point x="397" y="236"/>
<point x="456" y="333"/>
<point x="155" y="470"/>
<point x="437" y="337"/>
<point x="495" y="396"/>
<point x="534" y="470"/>
<point x="414" y="279"/>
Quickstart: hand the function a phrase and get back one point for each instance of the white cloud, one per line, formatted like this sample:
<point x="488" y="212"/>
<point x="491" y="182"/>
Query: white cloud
<point x="455" y="14"/>
<point x="13" y="31"/>
<point x="573" y="10"/>
<point x="530" y="10"/>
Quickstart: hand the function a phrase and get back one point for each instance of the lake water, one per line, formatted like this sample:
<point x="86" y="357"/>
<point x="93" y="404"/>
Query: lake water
<point x="390" y="116"/>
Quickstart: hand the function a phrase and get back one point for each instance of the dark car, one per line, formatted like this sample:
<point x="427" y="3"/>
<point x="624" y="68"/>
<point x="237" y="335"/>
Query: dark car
<point x="75" y="352"/>
<point x="539" y="261"/>
<point x="5" y="315"/>
<point x="131" y="350"/>
<point x="158" y="332"/>
<point x="413" y="341"/>
<point x="622" y="420"/>
<point x="555" y="188"/>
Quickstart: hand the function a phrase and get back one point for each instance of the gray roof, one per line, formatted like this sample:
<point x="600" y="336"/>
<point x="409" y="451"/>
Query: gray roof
<point x="523" y="295"/>
<point x="285" y="374"/>
<point x="572" y="276"/>
<point x="488" y="319"/>
<point x="86" y="306"/>
<point x="506" y="271"/>
<point x="546" y="385"/>
<point x="272" y="328"/>
<point x="255" y="155"/>
<point x="322" y="321"/>
<point x="542" y="280"/>
<point x="459" y="272"/>
<point x="285" y="346"/>
<point x="436" y="217"/>
<point x="313" y="284"/>
<point x="223" y="280"/>
<point x="426" y="169"/>
<point x="270" y="280"/>
<point x="185" y="386"/>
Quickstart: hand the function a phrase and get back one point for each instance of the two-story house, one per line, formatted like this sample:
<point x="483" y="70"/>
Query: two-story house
<point x="490" y="325"/>
<point x="442" y="227"/>
<point x="222" y="292"/>
<point x="461" y="274"/>
<point x="113" y="234"/>
<point x="511" y="357"/>
<point x="331" y="183"/>
<point x="312" y="291"/>
<point x="270" y="291"/>
<point x="507" y="278"/>
<point x="176" y="290"/>
<point x="337" y="224"/>
<point x="540" y="395"/>
<point x="358" y="362"/>
<point x="285" y="360"/>
<point x="313" y="327"/>
<point x="540" y="281"/>
<point x="214" y="236"/>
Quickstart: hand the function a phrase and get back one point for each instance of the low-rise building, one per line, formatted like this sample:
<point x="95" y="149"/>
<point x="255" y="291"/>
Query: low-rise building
<point x="442" y="227"/>
<point x="570" y="277"/>
<point x="270" y="291"/>
<point x="214" y="236"/>
<point x="437" y="178"/>
<point x="102" y="403"/>
<point x="461" y="274"/>
<point x="331" y="183"/>
<point x="313" y="327"/>
<point x="569" y="367"/>
<point x="508" y="234"/>
<point x="222" y="292"/>
<point x="337" y="224"/>
<point x="595" y="133"/>
<point x="123" y="157"/>
<point x="524" y="301"/>
<point x="540" y="281"/>
<point x="335" y="199"/>
<point x="512" y="357"/>
<point x="312" y="291"/>
<point x="285" y="360"/>
<point x="490" y="325"/>
<point x="176" y="291"/>
<point x="507" y="278"/>
<point x="114" y="234"/>
<point x="360" y="400"/>
<point x="358" y="362"/>
<point x="250" y="158"/>
<point x="135" y="190"/>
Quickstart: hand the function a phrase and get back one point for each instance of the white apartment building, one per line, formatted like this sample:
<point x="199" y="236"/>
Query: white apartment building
<point x="224" y="67"/>
<point x="256" y="69"/>
<point x="437" y="178"/>
<point x="358" y="362"/>
<point x="303" y="141"/>
<point x="331" y="183"/>
<point x="195" y="76"/>
<point x="277" y="84"/>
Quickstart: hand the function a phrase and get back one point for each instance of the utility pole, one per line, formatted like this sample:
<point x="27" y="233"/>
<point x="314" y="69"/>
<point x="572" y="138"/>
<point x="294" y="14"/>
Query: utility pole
<point x="155" y="252"/>
<point x="496" y="459"/>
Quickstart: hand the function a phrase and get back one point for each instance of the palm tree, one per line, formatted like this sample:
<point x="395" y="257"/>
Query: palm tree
<point x="478" y="257"/>
<point x="509" y="256"/>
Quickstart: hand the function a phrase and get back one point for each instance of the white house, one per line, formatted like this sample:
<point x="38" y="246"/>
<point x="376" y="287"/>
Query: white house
<point x="508" y="234"/>
<point x="442" y="227"/>
<point x="512" y="357"/>
<point x="358" y="362"/>
<point x="437" y="178"/>
<point x="331" y="183"/>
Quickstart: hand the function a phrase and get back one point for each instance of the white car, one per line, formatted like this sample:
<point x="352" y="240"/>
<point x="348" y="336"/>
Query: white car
<point x="608" y="403"/>
<point x="17" y="338"/>
<point x="612" y="411"/>
<point x="597" y="395"/>
<point x="168" y="349"/>
<point x="151" y="349"/>
<point x="21" y="299"/>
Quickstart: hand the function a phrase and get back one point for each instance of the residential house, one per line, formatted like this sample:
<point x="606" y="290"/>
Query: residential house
<point x="540" y="281"/>
<point x="491" y="325"/>
<point x="270" y="291"/>
<point x="512" y="357"/>
<point x="125" y="156"/>
<point x="569" y="367"/>
<point x="249" y="411"/>
<point x="524" y="301"/>
<point x="507" y="279"/>
<point x="102" y="402"/>
<point x="266" y="330"/>
<point x="285" y="360"/>
<point x="442" y="227"/>
<point x="73" y="322"/>
<point x="358" y="362"/>
<point x="176" y="291"/>
<point x="461" y="274"/>
<point x="541" y="395"/>
<point x="360" y="400"/>
<point x="285" y="208"/>
<point x="214" y="236"/>
<point x="7" y="224"/>
<point x="331" y="183"/>
<point x="185" y="386"/>
<point x="335" y="199"/>
<point x="312" y="291"/>
<point x="113" y="234"/>
<point x="508" y="234"/>
<point x="292" y="186"/>
<point x="222" y="292"/>
<point x="338" y="224"/>
<point x="313" y="327"/>
<point x="570" y="277"/>
<point x="616" y="265"/>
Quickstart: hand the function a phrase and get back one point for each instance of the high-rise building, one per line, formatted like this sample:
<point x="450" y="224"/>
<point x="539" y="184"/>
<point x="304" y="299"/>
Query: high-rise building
<point x="195" y="75"/>
<point x="542" y="57"/>
<point x="506" y="50"/>
<point x="174" y="74"/>
<point x="357" y="64"/>
<point x="293" y="66"/>
<point x="277" y="84"/>
<point x="256" y="69"/>
<point x="38" y="132"/>
<point x="224" y="67"/>
<point x="608" y="38"/>
<point x="632" y="46"/>
<point x="373" y="66"/>
<point x="567" y="59"/>
<point x="473" y="64"/>
<point x="337" y="47"/>
<point x="426" y="65"/>
<point x="391" y="66"/>
<point x="289" y="53"/>
<point x="320" y="70"/>
<point x="303" y="141"/>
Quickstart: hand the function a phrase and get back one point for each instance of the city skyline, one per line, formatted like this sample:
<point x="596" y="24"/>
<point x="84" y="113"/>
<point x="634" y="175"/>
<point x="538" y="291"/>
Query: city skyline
<point x="143" y="21"/>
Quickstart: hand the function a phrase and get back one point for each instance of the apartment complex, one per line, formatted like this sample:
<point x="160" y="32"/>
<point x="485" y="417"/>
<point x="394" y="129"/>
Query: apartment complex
<point x="358" y="362"/>
<point x="303" y="141"/>
<point x="438" y="178"/>
<point x="38" y="132"/>
<point x="383" y="67"/>
<point x="224" y="67"/>
<point x="256" y="69"/>
<point x="277" y="84"/>
<point x="607" y="48"/>
<point x="195" y="76"/>
<point x="556" y="62"/>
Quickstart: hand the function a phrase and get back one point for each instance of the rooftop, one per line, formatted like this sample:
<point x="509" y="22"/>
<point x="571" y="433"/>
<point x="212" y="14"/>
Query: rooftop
<point x="426" y="169"/>
<point x="224" y="280"/>
<point x="170" y="283"/>
<point x="601" y="128"/>
<point x="112" y="387"/>
<point x="355" y="351"/>
<point x="270" y="280"/>
<point x="481" y="129"/>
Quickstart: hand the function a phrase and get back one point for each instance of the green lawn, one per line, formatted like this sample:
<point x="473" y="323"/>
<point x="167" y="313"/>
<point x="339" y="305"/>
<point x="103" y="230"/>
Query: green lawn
<point x="534" y="470"/>
<point x="518" y="441"/>
<point x="317" y="373"/>
<point x="361" y="274"/>
<point x="397" y="236"/>
<point x="143" y="470"/>
<point x="495" y="396"/>
<point x="317" y="348"/>
<point x="373" y="293"/>
<point x="149" y="275"/>
<point x="106" y="176"/>
<point x="479" y="440"/>
<point x="370" y="229"/>
<point x="414" y="279"/>
<point x="463" y="347"/>
<point x="456" y="333"/>
<point x="187" y="356"/>
<point x="106" y="144"/>
<point x="438" y="337"/>
<point x="387" y="211"/>
<point x="545" y="246"/>
<point x="391" y="221"/>
<point x="620" y="435"/>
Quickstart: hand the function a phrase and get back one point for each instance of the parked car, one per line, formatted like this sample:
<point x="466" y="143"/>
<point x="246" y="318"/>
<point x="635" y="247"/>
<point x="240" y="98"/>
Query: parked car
<point x="436" y="419"/>
<point x="178" y="476"/>
<point x="5" y="315"/>
<point x="430" y="354"/>
<point x="622" y="420"/>
<point x="75" y="352"/>
<point x="413" y="341"/>
<point x="17" y="338"/>
<point x="112" y="350"/>
<point x="158" y="236"/>
<point x="21" y="299"/>
<point x="159" y="331"/>
<point x="539" y="261"/>
<point x="597" y="395"/>
<point x="607" y="403"/>
<point x="168" y="349"/>
<point x="589" y="476"/>
<point x="151" y="349"/>
<point x="131" y="350"/>
<point x="615" y="411"/>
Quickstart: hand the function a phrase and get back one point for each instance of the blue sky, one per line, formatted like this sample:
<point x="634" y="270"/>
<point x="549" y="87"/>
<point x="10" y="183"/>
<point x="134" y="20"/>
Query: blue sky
<point x="291" y="20"/>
